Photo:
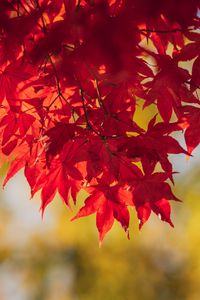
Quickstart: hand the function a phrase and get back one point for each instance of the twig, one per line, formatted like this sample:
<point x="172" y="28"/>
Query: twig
<point x="163" y="31"/>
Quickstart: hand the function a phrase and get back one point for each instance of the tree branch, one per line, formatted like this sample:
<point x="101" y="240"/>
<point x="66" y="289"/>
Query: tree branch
<point x="89" y="125"/>
<point x="163" y="31"/>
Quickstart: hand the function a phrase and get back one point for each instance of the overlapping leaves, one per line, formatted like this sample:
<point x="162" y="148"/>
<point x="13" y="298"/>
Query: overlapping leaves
<point x="72" y="74"/>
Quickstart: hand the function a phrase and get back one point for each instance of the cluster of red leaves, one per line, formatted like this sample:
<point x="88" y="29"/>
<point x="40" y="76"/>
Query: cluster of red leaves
<point x="71" y="75"/>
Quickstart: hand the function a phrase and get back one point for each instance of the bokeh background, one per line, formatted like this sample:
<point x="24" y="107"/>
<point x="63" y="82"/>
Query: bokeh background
<point x="55" y="259"/>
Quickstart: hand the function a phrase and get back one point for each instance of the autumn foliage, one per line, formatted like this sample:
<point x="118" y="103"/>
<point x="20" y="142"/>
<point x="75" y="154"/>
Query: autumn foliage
<point x="72" y="74"/>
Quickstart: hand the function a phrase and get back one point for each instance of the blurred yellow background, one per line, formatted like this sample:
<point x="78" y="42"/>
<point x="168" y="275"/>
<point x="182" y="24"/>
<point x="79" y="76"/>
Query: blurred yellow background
<point x="55" y="259"/>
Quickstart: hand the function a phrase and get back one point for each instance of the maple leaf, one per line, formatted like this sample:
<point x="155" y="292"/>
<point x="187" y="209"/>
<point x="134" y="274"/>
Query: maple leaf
<point x="58" y="136"/>
<point x="168" y="86"/>
<point x="10" y="77"/>
<point x="191" y="122"/>
<point x="152" y="193"/>
<point x="109" y="203"/>
<point x="154" y="146"/>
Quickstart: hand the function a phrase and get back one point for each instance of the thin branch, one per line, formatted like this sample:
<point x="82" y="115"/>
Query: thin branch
<point x="85" y="112"/>
<point x="44" y="28"/>
<point x="163" y="31"/>
<point x="99" y="97"/>
<point x="60" y="94"/>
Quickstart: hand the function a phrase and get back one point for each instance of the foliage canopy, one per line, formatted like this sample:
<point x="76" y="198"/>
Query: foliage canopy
<point x="72" y="74"/>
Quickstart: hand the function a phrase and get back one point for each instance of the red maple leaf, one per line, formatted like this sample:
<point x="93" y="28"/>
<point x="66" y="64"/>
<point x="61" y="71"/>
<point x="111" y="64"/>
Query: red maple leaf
<point x="109" y="203"/>
<point x="152" y="193"/>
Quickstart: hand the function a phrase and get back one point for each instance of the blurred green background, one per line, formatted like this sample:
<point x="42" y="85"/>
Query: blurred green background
<point x="55" y="259"/>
